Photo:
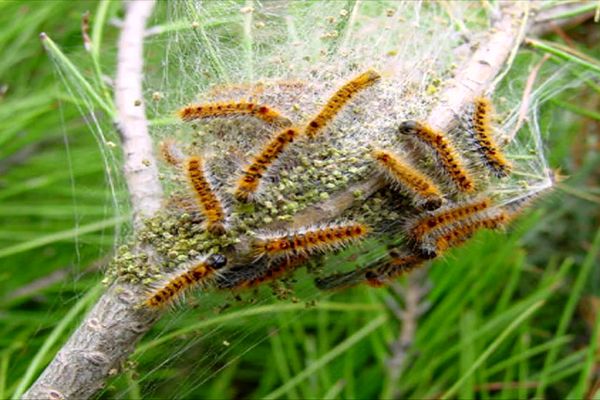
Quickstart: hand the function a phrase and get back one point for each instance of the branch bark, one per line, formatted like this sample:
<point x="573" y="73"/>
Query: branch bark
<point x="112" y="328"/>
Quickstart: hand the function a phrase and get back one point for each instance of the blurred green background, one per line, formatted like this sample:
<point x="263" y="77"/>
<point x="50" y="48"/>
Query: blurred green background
<point x="506" y="316"/>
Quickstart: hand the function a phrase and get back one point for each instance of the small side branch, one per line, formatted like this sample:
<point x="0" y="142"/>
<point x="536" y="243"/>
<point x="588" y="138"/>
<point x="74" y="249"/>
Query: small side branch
<point x="414" y="307"/>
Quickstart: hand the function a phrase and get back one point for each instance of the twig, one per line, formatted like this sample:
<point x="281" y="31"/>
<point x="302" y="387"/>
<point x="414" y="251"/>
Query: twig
<point x="412" y="295"/>
<point x="54" y="277"/>
<point x="564" y="16"/>
<point x="526" y="97"/>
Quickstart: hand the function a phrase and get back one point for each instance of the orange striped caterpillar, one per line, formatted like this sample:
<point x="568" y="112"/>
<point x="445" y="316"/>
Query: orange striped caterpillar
<point x="273" y="272"/>
<point x="446" y="216"/>
<point x="425" y="192"/>
<point x="444" y="150"/>
<point x="170" y="153"/>
<point x="396" y="267"/>
<point x="482" y="136"/>
<point x="250" y="180"/>
<point x="207" y="200"/>
<point x="462" y="231"/>
<point x="233" y="108"/>
<point x="373" y="276"/>
<point x="309" y="241"/>
<point x="339" y="99"/>
<point x="190" y="277"/>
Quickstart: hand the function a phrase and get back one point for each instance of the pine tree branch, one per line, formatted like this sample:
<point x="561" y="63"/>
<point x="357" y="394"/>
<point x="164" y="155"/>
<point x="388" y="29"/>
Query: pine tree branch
<point x="110" y="331"/>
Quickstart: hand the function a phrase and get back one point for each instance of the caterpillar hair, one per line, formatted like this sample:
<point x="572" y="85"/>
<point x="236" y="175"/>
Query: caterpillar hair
<point x="445" y="151"/>
<point x="339" y="99"/>
<point x="188" y="278"/>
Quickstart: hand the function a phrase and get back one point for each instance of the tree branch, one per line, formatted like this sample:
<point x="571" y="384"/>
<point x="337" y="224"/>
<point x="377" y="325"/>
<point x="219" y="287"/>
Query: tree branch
<point x="110" y="331"/>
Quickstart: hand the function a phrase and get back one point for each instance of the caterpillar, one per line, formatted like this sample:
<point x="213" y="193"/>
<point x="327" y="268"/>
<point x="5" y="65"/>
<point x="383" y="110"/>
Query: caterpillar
<point x="273" y="272"/>
<point x="445" y="151"/>
<point x="339" y="99"/>
<point x="191" y="276"/>
<point x="481" y="134"/>
<point x="425" y="192"/>
<point x="233" y="108"/>
<point x="250" y="180"/>
<point x="206" y="198"/>
<point x="446" y="216"/>
<point x="170" y="153"/>
<point x="309" y="241"/>
<point x="373" y="276"/>
<point x="397" y="266"/>
<point x="462" y="231"/>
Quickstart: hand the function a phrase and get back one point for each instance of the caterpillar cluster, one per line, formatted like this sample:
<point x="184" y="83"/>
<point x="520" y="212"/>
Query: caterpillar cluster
<point x="429" y="172"/>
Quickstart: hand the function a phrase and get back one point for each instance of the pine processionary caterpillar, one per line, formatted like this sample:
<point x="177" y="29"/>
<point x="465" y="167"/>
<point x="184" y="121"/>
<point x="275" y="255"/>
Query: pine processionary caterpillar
<point x="207" y="200"/>
<point x="396" y="267"/>
<point x="446" y="216"/>
<point x="444" y="150"/>
<point x="170" y="153"/>
<point x="464" y="230"/>
<point x="406" y="176"/>
<point x="190" y="277"/>
<point x="339" y="99"/>
<point x="274" y="272"/>
<point x="375" y="277"/>
<point x="233" y="108"/>
<point x="248" y="184"/>
<point x="310" y="241"/>
<point x="482" y="136"/>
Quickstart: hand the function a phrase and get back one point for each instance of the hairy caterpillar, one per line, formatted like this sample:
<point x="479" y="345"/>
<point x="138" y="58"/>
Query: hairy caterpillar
<point x="209" y="204"/>
<point x="403" y="174"/>
<point x="311" y="240"/>
<point x="275" y="271"/>
<point x="189" y="277"/>
<point x="170" y="153"/>
<point x="445" y="151"/>
<point x="482" y="137"/>
<point x="339" y="99"/>
<point x="462" y="231"/>
<point x="373" y="276"/>
<point x="232" y="108"/>
<point x="397" y="266"/>
<point x="251" y="177"/>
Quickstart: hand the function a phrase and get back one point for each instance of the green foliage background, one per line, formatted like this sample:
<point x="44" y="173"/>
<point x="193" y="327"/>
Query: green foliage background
<point x="508" y="316"/>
